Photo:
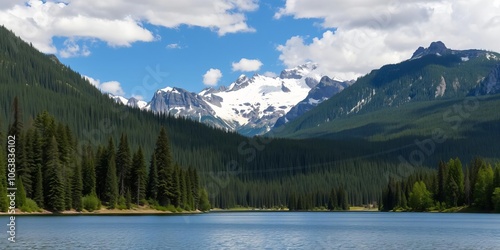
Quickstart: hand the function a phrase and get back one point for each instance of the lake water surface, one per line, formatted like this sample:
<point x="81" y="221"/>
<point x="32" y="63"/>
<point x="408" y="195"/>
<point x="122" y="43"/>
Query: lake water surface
<point x="259" y="230"/>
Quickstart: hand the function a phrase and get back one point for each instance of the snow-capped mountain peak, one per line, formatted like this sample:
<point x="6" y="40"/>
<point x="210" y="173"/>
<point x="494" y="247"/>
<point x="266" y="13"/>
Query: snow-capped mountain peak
<point x="131" y="102"/>
<point x="250" y="105"/>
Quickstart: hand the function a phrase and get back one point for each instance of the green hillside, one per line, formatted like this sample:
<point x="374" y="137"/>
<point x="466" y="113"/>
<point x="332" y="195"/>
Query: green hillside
<point x="429" y="78"/>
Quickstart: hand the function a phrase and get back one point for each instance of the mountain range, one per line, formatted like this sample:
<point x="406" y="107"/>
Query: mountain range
<point x="431" y="75"/>
<point x="250" y="105"/>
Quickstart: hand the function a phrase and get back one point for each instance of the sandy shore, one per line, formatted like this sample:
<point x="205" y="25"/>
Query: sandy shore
<point x="104" y="211"/>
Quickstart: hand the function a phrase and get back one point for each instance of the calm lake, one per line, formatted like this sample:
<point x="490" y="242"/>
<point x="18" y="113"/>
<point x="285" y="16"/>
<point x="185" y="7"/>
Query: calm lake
<point x="259" y="230"/>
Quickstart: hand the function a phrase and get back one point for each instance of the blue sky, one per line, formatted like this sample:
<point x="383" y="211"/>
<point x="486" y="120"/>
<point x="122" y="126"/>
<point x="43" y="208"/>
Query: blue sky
<point x="120" y="44"/>
<point x="186" y="53"/>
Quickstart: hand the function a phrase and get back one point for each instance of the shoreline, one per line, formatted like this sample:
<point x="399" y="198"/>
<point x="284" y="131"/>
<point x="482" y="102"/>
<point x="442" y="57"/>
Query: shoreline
<point x="102" y="211"/>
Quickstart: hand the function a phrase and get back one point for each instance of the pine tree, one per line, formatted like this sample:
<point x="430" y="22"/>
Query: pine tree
<point x="37" y="161"/>
<point x="77" y="188"/>
<point x="189" y="192"/>
<point x="123" y="162"/>
<point x="194" y="179"/>
<point x="111" y="185"/>
<point x="176" y="189"/>
<point x="455" y="183"/>
<point x="138" y="176"/>
<point x="467" y="187"/>
<point x="101" y="170"/>
<point x="166" y="180"/>
<point x="38" y="185"/>
<point x="152" y="191"/>
<point x="54" y="182"/>
<point x="496" y="176"/>
<point x="333" y="200"/>
<point x="483" y="188"/>
<point x="68" y="199"/>
<point x="442" y="176"/>
<point x="20" y="193"/>
<point x="183" y="190"/>
<point x="88" y="171"/>
<point x="343" y="199"/>
<point x="128" y="199"/>
<point x="4" y="202"/>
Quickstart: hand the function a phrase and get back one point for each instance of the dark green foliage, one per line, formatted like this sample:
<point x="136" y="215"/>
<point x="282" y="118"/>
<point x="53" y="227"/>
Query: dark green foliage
<point x="166" y="180"/>
<point x="442" y="177"/>
<point x="77" y="189"/>
<point x="123" y="163"/>
<point x="454" y="188"/>
<point x="54" y="181"/>
<point x="496" y="176"/>
<point x="20" y="193"/>
<point x="111" y="184"/>
<point x="496" y="199"/>
<point x="88" y="171"/>
<point x="128" y="199"/>
<point x="3" y="180"/>
<point x="483" y="188"/>
<point x="138" y="177"/>
<point x="38" y="187"/>
<point x="152" y="190"/>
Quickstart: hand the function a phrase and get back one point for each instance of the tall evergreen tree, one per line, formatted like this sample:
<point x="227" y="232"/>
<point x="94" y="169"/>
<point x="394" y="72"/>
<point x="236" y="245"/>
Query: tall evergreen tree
<point x="88" y="171"/>
<point x="101" y="170"/>
<point x="77" y="189"/>
<point x="111" y="185"/>
<point x="204" y="202"/>
<point x="496" y="176"/>
<point x="343" y="199"/>
<point x="4" y="202"/>
<point x="54" y="181"/>
<point x="138" y="177"/>
<point x="333" y="202"/>
<point x="467" y="187"/>
<point x="476" y="164"/>
<point x="442" y="176"/>
<point x="152" y="190"/>
<point x="194" y="179"/>
<point x="455" y="183"/>
<point x="38" y="187"/>
<point x="20" y="193"/>
<point x="484" y="188"/>
<point x="166" y="182"/>
<point x="36" y="155"/>
<point x="123" y="162"/>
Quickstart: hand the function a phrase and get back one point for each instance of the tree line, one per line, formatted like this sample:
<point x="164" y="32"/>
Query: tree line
<point x="55" y="175"/>
<point x="447" y="187"/>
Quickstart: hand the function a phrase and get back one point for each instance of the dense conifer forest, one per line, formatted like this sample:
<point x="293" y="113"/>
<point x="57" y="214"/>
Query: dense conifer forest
<point x="451" y="185"/>
<point x="77" y="149"/>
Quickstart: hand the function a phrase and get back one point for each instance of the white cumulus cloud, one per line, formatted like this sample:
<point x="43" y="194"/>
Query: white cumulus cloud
<point x="118" y="22"/>
<point x="247" y="65"/>
<point x="73" y="49"/>
<point x="112" y="87"/>
<point x="212" y="77"/>
<point x="364" y="35"/>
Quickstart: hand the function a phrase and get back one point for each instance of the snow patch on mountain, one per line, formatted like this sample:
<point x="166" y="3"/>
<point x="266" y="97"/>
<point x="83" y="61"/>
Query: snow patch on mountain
<point x="441" y="88"/>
